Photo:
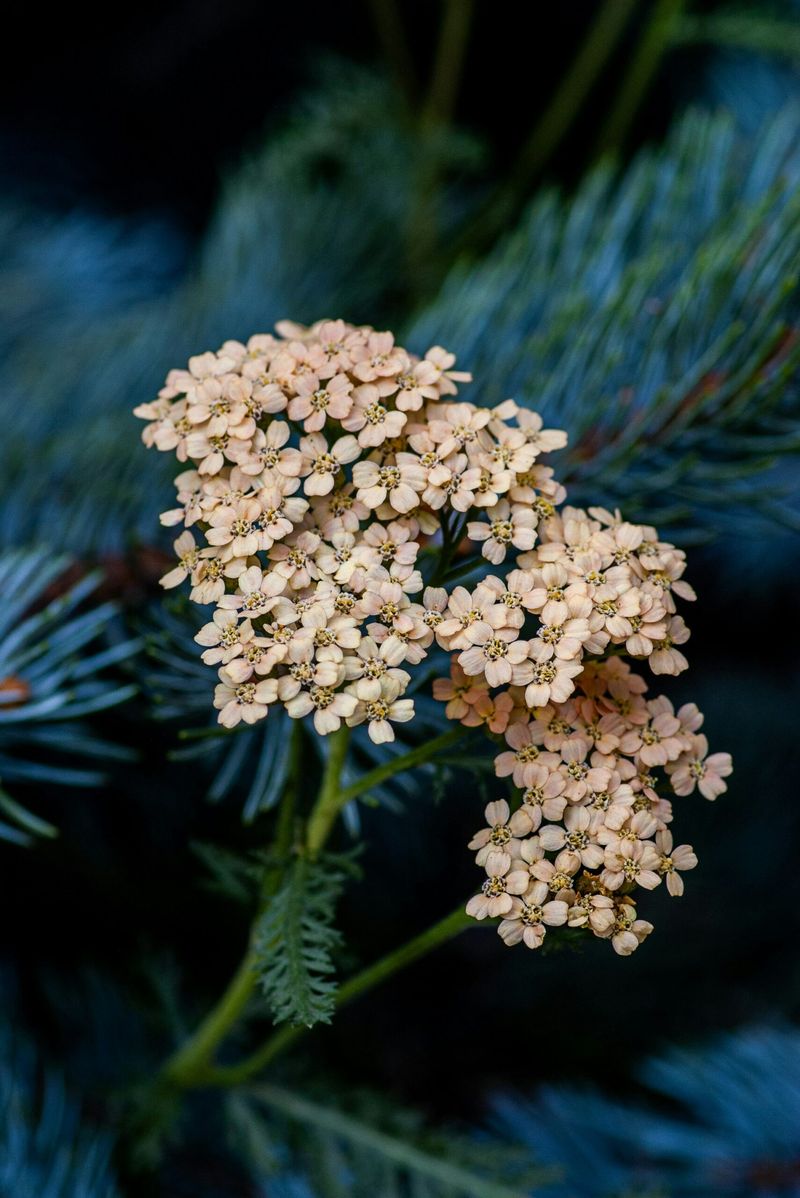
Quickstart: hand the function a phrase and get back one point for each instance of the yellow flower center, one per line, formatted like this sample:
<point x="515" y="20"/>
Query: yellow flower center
<point x="495" y="648"/>
<point x="502" y="530"/>
<point x="375" y="414"/>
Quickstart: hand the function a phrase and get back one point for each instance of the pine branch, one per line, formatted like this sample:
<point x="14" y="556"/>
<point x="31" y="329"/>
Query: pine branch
<point x="54" y="658"/>
<point x="46" y="1147"/>
<point x="655" y="317"/>
<point x="758" y="30"/>
<point x="358" y="1148"/>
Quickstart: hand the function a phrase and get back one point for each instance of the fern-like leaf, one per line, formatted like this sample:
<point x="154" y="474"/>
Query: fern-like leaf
<point x="296" y="939"/>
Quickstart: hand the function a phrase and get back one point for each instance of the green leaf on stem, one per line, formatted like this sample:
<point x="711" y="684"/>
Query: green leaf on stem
<point x="295" y="940"/>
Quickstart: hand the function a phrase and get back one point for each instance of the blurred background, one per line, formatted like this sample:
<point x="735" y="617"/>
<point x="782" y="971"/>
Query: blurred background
<point x="596" y="206"/>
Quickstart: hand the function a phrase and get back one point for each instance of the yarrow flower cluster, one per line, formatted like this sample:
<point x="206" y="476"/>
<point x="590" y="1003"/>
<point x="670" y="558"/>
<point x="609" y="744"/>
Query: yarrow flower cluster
<point x="333" y="492"/>
<point x="591" y="825"/>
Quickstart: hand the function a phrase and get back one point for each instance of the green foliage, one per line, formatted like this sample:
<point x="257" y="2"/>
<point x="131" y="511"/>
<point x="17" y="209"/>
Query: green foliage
<point x="227" y="872"/>
<point x="295" y="940"/>
<point x="253" y="761"/>
<point x="764" y="30"/>
<point x="55" y="654"/>
<point x="653" y="315"/>
<point x="46" y="1149"/>
<point x="369" y="1148"/>
<point x="317" y="220"/>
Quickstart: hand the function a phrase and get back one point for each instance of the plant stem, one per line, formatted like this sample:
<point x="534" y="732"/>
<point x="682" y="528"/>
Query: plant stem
<point x="643" y="66"/>
<point x="450" y="54"/>
<point x="452" y="535"/>
<point x="424" y="225"/>
<point x="189" y="1066"/>
<point x="388" y="22"/>
<point x="600" y="41"/>
<point x="414" y="757"/>
<point x="442" y="931"/>
<point x="194" y="1055"/>
<point x="329" y="802"/>
<point x="551" y="127"/>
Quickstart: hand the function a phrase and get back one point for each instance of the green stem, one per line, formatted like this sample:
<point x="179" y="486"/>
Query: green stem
<point x="189" y="1066"/>
<point x="549" y="131"/>
<point x="388" y="22"/>
<point x="424" y="224"/>
<point x="450" y="54"/>
<point x="552" y="126"/>
<point x="452" y="536"/>
<point x="407" y="761"/>
<point x="330" y="802"/>
<point x="657" y="37"/>
<point x="193" y="1056"/>
<point x="442" y="931"/>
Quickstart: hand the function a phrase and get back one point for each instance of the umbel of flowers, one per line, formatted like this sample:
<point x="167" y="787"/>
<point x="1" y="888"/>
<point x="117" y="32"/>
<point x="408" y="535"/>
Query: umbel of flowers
<point x="333" y="492"/>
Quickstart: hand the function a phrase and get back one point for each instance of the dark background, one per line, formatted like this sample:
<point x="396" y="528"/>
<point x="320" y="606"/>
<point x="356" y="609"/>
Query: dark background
<point x="144" y="111"/>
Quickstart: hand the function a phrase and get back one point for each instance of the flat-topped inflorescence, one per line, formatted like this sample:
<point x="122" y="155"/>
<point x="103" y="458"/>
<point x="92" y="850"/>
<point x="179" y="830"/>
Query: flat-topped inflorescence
<point x="334" y="492"/>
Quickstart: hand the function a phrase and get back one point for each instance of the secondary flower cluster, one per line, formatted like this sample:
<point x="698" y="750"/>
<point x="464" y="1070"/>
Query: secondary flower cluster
<point x="589" y="825"/>
<point x="334" y="491"/>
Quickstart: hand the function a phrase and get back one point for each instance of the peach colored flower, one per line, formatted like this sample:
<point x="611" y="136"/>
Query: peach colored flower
<point x="469" y="615"/>
<point x="694" y="768"/>
<point x="329" y="707"/>
<point x="544" y="794"/>
<point x="235" y="527"/>
<point x="400" y="483"/>
<point x="494" y="711"/>
<point x="551" y="681"/>
<point x="530" y="916"/>
<point x="493" y="653"/>
<point x="674" y="859"/>
<point x="270" y="453"/>
<point x="507" y="527"/>
<point x="380" y="712"/>
<point x="665" y="658"/>
<point x="563" y="630"/>
<point x="453" y="481"/>
<point x="520" y="760"/>
<point x="628" y="932"/>
<point x="223" y="637"/>
<point x="316" y="402"/>
<point x="415" y="385"/>
<point x="188" y="556"/>
<point x="323" y="462"/>
<point x="248" y="701"/>
<point x="632" y="862"/>
<point x="504" y="831"/>
<point x="574" y="838"/>
<point x="377" y="357"/>
<point x="461" y="694"/>
<point x="502" y="882"/>
<point x="441" y="361"/>
<point x="370" y="419"/>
